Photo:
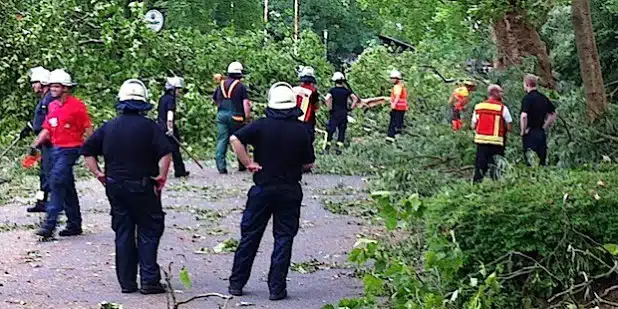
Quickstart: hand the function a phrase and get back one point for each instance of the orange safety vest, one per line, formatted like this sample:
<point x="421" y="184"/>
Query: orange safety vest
<point x="402" y="104"/>
<point x="490" y="125"/>
<point x="461" y="95"/>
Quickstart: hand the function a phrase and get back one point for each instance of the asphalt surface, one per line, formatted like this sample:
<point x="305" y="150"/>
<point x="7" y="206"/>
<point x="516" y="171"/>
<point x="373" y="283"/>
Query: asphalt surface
<point x="202" y="212"/>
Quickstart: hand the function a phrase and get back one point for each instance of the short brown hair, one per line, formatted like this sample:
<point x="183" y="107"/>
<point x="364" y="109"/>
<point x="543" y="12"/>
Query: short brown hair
<point x="531" y="80"/>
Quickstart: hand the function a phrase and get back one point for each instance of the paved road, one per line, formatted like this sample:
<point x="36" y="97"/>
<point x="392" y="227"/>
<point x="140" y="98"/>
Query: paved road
<point x="201" y="213"/>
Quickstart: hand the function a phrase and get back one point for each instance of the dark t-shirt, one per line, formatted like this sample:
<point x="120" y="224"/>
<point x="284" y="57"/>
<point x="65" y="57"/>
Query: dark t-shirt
<point x="239" y="93"/>
<point x="281" y="147"/>
<point x="131" y="146"/>
<point x="166" y="103"/>
<point x="537" y="106"/>
<point x="40" y="113"/>
<point x="340" y="100"/>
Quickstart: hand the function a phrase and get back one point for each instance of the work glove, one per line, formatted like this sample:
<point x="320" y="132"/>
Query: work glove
<point x="169" y="132"/>
<point x="25" y="132"/>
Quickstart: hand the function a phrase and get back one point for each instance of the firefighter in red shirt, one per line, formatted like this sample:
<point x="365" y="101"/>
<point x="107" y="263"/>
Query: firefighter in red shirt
<point x="307" y="99"/>
<point x="66" y="126"/>
<point x="491" y="121"/>
<point x="399" y="105"/>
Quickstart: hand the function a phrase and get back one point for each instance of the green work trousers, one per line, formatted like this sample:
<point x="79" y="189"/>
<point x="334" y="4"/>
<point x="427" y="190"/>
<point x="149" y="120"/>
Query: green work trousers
<point x="226" y="126"/>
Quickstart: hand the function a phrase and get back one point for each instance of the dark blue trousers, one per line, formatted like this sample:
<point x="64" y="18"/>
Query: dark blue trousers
<point x="396" y="123"/>
<point x="45" y="172"/>
<point x="138" y="220"/>
<point x="337" y="122"/>
<point x="536" y="140"/>
<point x="63" y="192"/>
<point x="282" y="203"/>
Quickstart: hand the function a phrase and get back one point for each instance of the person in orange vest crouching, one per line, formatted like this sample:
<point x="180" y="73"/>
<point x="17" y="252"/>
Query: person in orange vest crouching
<point x="458" y="101"/>
<point x="491" y="121"/>
<point x="399" y="105"/>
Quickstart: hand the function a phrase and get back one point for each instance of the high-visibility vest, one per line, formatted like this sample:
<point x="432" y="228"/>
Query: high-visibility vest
<point x="303" y="101"/>
<point x="402" y="103"/>
<point x="490" y="125"/>
<point x="461" y="95"/>
<point x="237" y="108"/>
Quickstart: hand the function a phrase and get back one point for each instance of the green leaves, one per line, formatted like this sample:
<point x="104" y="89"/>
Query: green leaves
<point x="611" y="248"/>
<point x="373" y="285"/>
<point x="185" y="279"/>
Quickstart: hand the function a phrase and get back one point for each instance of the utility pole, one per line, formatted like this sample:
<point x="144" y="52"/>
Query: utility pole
<point x="265" y="19"/>
<point x="296" y="25"/>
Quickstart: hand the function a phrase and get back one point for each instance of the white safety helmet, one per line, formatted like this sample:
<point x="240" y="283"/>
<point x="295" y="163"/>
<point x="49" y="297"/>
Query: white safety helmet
<point x="338" y="76"/>
<point x="174" y="83"/>
<point x="281" y="96"/>
<point x="61" y="77"/>
<point x="39" y="75"/>
<point x="235" y="68"/>
<point x="134" y="90"/>
<point x="307" y="72"/>
<point x="396" y="74"/>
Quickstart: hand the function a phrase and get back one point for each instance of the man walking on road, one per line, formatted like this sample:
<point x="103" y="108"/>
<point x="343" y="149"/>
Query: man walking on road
<point x="537" y="115"/>
<point x="233" y="111"/>
<point x="66" y="126"/>
<point x="283" y="149"/>
<point x="39" y="78"/>
<point x="167" y="118"/>
<point x="137" y="159"/>
<point x="491" y="121"/>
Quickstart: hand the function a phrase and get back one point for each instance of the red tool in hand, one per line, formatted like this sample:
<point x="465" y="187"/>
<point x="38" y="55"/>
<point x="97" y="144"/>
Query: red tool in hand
<point x="30" y="161"/>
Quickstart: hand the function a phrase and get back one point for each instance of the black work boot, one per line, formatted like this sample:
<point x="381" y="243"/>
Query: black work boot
<point x="129" y="290"/>
<point x="157" y="288"/>
<point x="235" y="291"/>
<point x="181" y="175"/>
<point x="278" y="296"/>
<point x="223" y="172"/>
<point x="45" y="233"/>
<point x="70" y="232"/>
<point x="39" y="206"/>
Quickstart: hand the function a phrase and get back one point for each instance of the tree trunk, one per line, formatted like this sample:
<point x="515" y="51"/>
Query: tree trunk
<point x="589" y="64"/>
<point x="516" y="39"/>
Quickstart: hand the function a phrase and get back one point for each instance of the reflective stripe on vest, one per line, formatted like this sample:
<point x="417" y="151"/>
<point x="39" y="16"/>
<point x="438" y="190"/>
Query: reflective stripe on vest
<point x="303" y="96"/>
<point x="228" y="94"/>
<point x="402" y="104"/>
<point x="490" y="128"/>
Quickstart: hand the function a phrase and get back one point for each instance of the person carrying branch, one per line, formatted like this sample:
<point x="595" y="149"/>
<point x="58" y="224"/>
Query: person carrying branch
<point x="282" y="149"/>
<point x="137" y="157"/>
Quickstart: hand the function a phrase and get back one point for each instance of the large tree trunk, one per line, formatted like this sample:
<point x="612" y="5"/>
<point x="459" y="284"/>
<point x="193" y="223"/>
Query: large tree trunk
<point x="589" y="64"/>
<point x="516" y="39"/>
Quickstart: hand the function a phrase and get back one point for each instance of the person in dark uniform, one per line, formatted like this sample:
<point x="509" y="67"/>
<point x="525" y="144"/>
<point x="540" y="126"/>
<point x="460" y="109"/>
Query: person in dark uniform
<point x="337" y="103"/>
<point x="39" y="78"/>
<point x="537" y="115"/>
<point x="66" y="125"/>
<point x="282" y="149"/>
<point x="137" y="157"/>
<point x="233" y="111"/>
<point x="167" y="121"/>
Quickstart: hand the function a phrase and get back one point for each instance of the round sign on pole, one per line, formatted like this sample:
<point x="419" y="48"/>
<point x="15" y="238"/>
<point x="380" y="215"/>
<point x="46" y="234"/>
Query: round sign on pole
<point x="155" y="20"/>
